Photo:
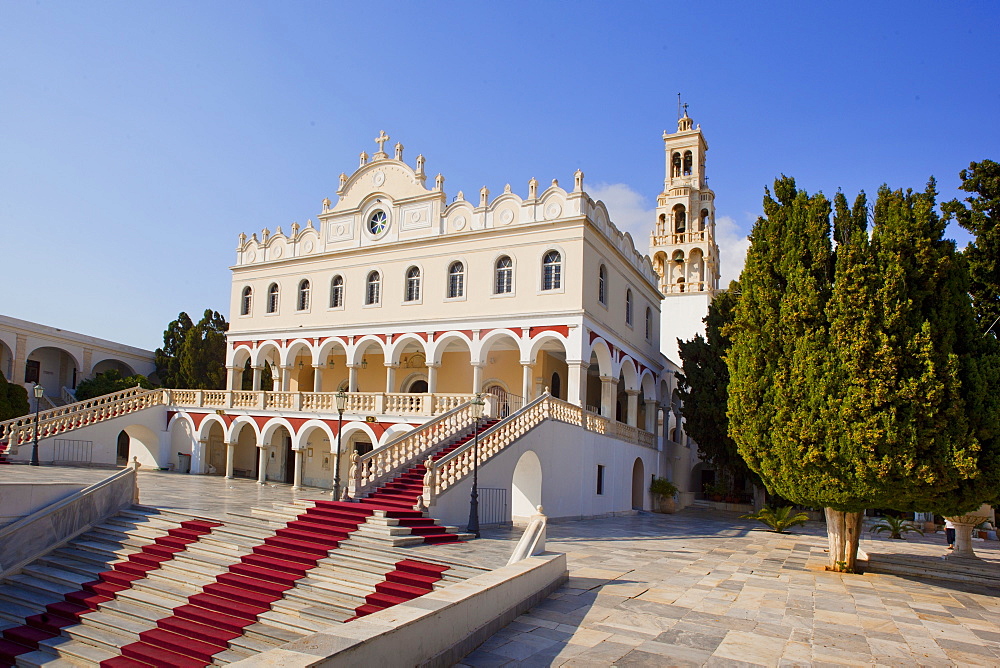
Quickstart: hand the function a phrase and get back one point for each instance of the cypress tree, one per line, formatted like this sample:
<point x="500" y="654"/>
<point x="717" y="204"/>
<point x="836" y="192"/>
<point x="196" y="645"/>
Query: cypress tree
<point x="857" y="378"/>
<point x="704" y="388"/>
<point x="982" y="218"/>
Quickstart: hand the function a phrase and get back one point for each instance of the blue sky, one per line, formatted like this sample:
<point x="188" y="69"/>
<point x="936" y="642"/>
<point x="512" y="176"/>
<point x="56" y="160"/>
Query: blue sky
<point x="138" y="139"/>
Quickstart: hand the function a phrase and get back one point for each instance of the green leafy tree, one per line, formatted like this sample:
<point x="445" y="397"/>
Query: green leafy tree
<point x="858" y="376"/>
<point x="194" y="355"/>
<point x="108" y="382"/>
<point x="266" y="379"/>
<point x="704" y="389"/>
<point x="981" y="216"/>
<point x="13" y="400"/>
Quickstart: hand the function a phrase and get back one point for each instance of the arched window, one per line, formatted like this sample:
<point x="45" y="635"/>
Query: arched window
<point x="504" y="275"/>
<point x="303" y="302"/>
<point x="246" y="301"/>
<point x="704" y="220"/>
<point x="337" y="292"/>
<point x="456" y="280"/>
<point x="649" y="323"/>
<point x="555" y="389"/>
<point x="413" y="284"/>
<point x="552" y="271"/>
<point x="602" y="285"/>
<point x="688" y="163"/>
<point x="373" y="288"/>
<point x="272" y="298"/>
<point x="676" y="164"/>
<point x="679" y="256"/>
<point x="628" y="307"/>
<point x="680" y="284"/>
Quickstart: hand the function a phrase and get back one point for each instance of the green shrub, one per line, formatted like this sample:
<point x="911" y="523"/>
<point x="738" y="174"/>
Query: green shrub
<point x="662" y="487"/>
<point x="778" y="519"/>
<point x="896" y="526"/>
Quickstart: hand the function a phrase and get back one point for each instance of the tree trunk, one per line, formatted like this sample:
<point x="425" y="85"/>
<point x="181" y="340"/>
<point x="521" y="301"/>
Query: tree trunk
<point x="844" y="531"/>
<point x="759" y="498"/>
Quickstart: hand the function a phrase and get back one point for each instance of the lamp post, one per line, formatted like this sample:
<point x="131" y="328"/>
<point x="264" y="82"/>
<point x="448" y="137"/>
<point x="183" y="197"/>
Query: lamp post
<point x="341" y="404"/>
<point x="477" y="412"/>
<point x="39" y="391"/>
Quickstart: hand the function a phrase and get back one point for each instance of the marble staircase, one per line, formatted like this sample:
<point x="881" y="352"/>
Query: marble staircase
<point x="141" y="589"/>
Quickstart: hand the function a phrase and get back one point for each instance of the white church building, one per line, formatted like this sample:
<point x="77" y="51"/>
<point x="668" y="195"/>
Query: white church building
<point x="409" y="303"/>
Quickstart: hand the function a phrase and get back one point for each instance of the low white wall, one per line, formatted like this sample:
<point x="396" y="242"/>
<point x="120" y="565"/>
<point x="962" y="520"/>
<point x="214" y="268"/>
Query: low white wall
<point x="569" y="456"/>
<point x="18" y="499"/>
<point x="28" y="538"/>
<point x="436" y="629"/>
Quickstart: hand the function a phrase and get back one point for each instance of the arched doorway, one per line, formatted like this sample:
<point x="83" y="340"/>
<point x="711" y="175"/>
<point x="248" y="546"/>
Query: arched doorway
<point x="216" y="454"/>
<point x="638" y="484"/>
<point x="418" y="386"/>
<point x="123" y="444"/>
<point x="556" y="387"/>
<point x="526" y="488"/>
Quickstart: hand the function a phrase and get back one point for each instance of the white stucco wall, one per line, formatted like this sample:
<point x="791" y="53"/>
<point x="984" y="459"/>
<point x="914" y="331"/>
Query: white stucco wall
<point x="569" y="457"/>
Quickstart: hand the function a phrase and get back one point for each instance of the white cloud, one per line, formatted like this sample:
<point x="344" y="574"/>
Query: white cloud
<point x="634" y="214"/>
<point x="629" y="210"/>
<point x="733" y="244"/>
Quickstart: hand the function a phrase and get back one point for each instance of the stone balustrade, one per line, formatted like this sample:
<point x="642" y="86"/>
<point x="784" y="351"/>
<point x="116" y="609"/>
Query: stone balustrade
<point x="58" y="420"/>
<point x="372" y="469"/>
<point x="370" y="403"/>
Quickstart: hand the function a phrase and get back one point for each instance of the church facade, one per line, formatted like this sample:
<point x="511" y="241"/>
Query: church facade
<point x="413" y="304"/>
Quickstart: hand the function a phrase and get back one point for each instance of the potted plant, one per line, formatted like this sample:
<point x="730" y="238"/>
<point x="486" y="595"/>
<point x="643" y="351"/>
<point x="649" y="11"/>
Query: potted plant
<point x="663" y="492"/>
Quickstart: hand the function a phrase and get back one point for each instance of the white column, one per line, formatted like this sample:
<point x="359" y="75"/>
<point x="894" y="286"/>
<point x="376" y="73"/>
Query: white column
<point x="352" y="380"/>
<point x="230" y="459"/>
<point x="576" y="383"/>
<point x="632" y="416"/>
<point x="432" y="377"/>
<point x="231" y="378"/>
<point x="261" y="463"/>
<point x="390" y="377"/>
<point x="609" y="392"/>
<point x="297" y="476"/>
<point x="651" y="409"/>
<point x="317" y="377"/>
<point x="477" y="377"/>
<point x="256" y="378"/>
<point x="286" y="378"/>
<point x="527" y="371"/>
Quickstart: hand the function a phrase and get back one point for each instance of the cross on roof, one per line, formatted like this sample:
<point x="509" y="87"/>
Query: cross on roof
<point x="685" y="108"/>
<point x="381" y="139"/>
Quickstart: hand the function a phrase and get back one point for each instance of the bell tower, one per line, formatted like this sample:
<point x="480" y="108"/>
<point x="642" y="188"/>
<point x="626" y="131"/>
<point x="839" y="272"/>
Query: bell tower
<point x="683" y="248"/>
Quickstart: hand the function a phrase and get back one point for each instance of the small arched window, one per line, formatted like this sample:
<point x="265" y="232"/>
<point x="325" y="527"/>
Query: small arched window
<point x="337" y="292"/>
<point x="688" y="163"/>
<point x="676" y="164"/>
<point x="679" y="256"/>
<point x="680" y="284"/>
<point x="247" y="301"/>
<point x="649" y="323"/>
<point x="704" y="220"/>
<point x="504" y="275"/>
<point x="680" y="219"/>
<point x="456" y="280"/>
<point x="303" y="302"/>
<point x="602" y="285"/>
<point x="272" y="298"/>
<point x="628" y="307"/>
<point x="413" y="284"/>
<point x="373" y="288"/>
<point x="552" y="271"/>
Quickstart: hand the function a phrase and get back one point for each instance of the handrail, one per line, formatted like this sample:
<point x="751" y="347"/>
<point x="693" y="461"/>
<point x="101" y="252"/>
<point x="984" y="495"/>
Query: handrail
<point x="105" y="401"/>
<point x="532" y="541"/>
<point x="372" y="468"/>
<point x="381" y="403"/>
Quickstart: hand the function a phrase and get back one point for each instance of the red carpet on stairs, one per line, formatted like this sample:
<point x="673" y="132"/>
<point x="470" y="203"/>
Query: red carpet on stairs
<point x="402" y="492"/>
<point x="23" y="639"/>
<point x="211" y="618"/>
<point x="410" y="579"/>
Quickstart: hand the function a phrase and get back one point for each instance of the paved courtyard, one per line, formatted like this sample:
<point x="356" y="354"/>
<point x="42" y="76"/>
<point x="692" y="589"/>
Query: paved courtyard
<point x="695" y="588"/>
<point x="704" y="588"/>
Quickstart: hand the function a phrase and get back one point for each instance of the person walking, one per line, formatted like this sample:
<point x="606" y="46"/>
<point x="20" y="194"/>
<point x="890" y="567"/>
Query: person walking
<point x="949" y="533"/>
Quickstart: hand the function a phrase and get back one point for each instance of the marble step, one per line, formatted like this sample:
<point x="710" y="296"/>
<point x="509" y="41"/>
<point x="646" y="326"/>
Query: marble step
<point x="69" y="579"/>
<point x="62" y="650"/>
<point x="291" y="623"/>
<point x="102" y="639"/>
<point x="111" y="621"/>
<point x="272" y="633"/>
